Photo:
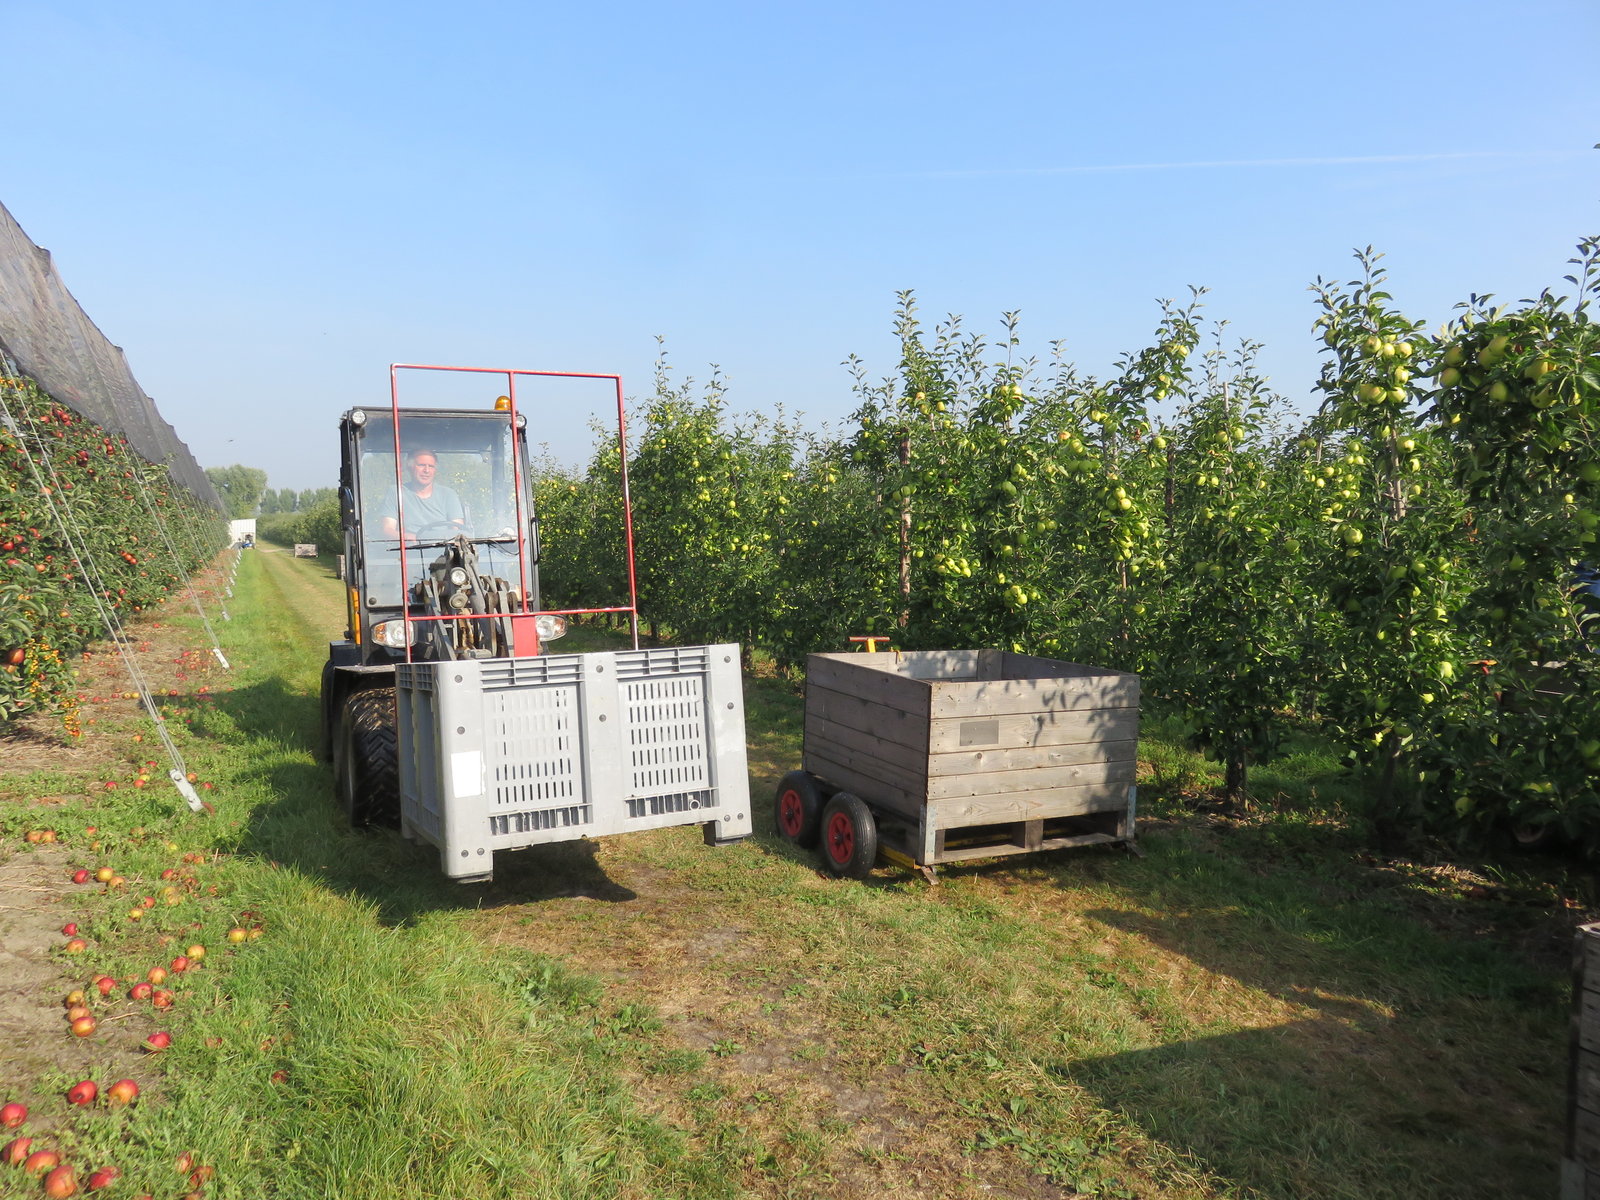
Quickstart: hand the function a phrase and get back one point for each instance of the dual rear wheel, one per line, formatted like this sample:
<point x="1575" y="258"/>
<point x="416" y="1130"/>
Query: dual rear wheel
<point x="843" y="826"/>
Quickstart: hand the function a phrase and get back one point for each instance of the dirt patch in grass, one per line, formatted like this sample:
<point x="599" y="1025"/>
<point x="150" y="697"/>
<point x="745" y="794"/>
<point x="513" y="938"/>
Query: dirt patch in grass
<point x="35" y="902"/>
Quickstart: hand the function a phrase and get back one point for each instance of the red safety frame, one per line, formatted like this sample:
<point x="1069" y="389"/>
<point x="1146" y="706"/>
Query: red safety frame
<point x="525" y="621"/>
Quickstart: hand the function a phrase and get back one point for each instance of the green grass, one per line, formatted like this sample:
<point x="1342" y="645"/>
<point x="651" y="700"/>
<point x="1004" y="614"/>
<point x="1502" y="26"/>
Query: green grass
<point x="1257" y="1007"/>
<point x="418" y="1063"/>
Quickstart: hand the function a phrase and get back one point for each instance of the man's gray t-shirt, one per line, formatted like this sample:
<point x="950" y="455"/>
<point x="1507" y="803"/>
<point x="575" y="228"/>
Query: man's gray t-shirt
<point x="433" y="515"/>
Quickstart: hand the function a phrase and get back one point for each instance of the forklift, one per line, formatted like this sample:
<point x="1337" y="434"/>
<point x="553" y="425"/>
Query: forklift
<point x="444" y="712"/>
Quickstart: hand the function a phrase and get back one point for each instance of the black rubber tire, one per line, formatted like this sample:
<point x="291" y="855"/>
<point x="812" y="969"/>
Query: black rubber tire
<point x="797" y="809"/>
<point x="367" y="766"/>
<point x="849" y="837"/>
<point x="1535" y="839"/>
<point x="325" y="733"/>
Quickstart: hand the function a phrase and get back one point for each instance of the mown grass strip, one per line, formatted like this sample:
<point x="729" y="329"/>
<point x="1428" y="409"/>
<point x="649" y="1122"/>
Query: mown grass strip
<point x="411" y="1061"/>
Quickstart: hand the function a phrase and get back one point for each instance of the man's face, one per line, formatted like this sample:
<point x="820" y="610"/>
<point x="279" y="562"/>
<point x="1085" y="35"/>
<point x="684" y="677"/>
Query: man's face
<point x="423" y="467"/>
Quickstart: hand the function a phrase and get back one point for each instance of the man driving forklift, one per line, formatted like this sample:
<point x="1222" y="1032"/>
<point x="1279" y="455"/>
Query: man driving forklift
<point x="431" y="508"/>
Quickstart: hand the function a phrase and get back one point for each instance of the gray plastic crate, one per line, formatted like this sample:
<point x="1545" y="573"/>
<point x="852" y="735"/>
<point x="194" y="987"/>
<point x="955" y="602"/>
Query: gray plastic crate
<point x="498" y="754"/>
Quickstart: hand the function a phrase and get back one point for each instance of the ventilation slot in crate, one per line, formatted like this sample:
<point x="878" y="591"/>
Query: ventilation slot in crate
<point x="532" y="739"/>
<point x="666" y="734"/>
<point x="654" y="806"/>
<point x="501" y="824"/>
<point x="413" y="677"/>
<point x="531" y="672"/>
<point x="674" y="660"/>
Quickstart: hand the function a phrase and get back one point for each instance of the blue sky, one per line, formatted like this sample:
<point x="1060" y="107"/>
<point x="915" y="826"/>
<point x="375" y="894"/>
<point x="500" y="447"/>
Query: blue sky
<point x="265" y="205"/>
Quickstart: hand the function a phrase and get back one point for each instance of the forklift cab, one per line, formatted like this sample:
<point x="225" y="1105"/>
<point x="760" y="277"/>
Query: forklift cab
<point x="478" y="463"/>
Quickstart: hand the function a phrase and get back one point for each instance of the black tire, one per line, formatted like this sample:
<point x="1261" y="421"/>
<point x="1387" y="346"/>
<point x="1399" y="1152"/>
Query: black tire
<point x="849" y="837"/>
<point x="325" y="733"/>
<point x="797" y="809"/>
<point x="367" y="765"/>
<point x="1535" y="838"/>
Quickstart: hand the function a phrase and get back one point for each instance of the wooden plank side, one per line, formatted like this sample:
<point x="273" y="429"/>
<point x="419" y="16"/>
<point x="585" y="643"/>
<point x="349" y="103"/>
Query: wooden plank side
<point x="880" y="720"/>
<point x="1588" y="1081"/>
<point x="1004" y="697"/>
<point x="837" y="673"/>
<point x="1034" y="779"/>
<point x="871" y="790"/>
<point x="1023" y="730"/>
<point x="913" y="761"/>
<point x="1589" y="1020"/>
<point x="911" y="782"/>
<point x="988" y="761"/>
<point x="964" y="853"/>
<point x="1042" y="805"/>
<point x="1031" y="666"/>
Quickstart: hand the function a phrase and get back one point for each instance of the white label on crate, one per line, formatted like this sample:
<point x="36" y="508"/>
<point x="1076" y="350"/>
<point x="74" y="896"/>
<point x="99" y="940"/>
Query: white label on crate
<point x="466" y="774"/>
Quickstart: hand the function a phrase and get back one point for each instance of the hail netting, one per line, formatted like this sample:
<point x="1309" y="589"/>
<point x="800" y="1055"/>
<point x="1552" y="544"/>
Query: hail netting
<point x="48" y="336"/>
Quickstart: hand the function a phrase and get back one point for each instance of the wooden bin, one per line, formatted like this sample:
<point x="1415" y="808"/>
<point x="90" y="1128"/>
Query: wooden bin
<point x="1580" y="1164"/>
<point x="965" y="754"/>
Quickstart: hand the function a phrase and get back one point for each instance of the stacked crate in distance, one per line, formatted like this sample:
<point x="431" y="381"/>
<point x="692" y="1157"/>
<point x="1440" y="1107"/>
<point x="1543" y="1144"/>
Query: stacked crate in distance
<point x="967" y="754"/>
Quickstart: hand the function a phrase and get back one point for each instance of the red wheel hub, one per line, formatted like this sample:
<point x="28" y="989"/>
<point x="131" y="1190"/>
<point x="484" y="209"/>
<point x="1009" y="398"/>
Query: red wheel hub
<point x="841" y="837"/>
<point x="791" y="813"/>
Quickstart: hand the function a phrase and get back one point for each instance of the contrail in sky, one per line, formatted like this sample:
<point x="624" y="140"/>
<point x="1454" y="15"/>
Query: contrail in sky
<point x="992" y="172"/>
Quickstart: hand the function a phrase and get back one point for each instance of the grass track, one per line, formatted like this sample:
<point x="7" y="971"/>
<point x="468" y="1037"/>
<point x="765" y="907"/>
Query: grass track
<point x="1250" y="1010"/>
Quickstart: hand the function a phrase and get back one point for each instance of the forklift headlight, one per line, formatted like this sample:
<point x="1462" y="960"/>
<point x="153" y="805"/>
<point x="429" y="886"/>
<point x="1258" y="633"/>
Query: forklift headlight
<point x="550" y="627"/>
<point x="458" y="576"/>
<point x="358" y="418"/>
<point x="394" y="634"/>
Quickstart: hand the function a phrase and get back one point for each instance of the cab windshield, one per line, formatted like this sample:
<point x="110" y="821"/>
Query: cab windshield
<point x="457" y="478"/>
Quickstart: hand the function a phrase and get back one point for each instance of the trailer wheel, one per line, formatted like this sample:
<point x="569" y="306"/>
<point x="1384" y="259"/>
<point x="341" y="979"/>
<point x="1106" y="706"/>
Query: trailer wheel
<point x="797" y="809"/>
<point x="849" y="837"/>
<point x="367" y="769"/>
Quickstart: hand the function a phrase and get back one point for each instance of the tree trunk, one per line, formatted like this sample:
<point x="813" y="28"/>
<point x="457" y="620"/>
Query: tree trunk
<point x="1236" y="779"/>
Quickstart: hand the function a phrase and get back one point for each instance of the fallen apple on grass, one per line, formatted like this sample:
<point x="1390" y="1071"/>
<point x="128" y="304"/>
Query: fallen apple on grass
<point x="70" y="929"/>
<point x="74" y="997"/>
<point x="83" y="1027"/>
<point x="157" y="975"/>
<point x="80" y="876"/>
<point x="12" y="1115"/>
<point x="157" y="1042"/>
<point x="161" y="998"/>
<point x="77" y="1012"/>
<point x="77" y="946"/>
<point x="103" y="1178"/>
<point x="180" y="964"/>
<point x="104" y="875"/>
<point x="169" y="873"/>
<point x="123" y="1091"/>
<point x="14" y="1153"/>
<point x="63" y="1181"/>
<point x="237" y="935"/>
<point x="83" y="1093"/>
<point x="136" y="914"/>
<point x="106" y="984"/>
<point x="196" y="952"/>
<point x="41" y="1161"/>
<point x="139" y="991"/>
<point x="184" y="1163"/>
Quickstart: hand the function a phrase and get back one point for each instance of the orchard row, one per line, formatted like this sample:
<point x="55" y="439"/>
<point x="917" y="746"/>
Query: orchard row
<point x="142" y="536"/>
<point x="1401" y="571"/>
